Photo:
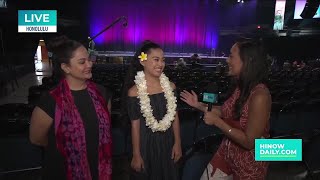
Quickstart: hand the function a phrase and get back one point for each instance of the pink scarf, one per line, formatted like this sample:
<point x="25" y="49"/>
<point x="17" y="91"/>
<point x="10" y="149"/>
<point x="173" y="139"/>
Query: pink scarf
<point x="70" y="133"/>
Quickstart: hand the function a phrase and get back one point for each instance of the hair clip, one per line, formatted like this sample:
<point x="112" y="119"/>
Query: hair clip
<point x="143" y="56"/>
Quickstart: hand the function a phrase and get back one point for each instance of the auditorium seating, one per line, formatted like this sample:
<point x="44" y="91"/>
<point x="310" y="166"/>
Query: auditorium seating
<point x="19" y="158"/>
<point x="308" y="168"/>
<point x="14" y="119"/>
<point x="196" y="157"/>
<point x="188" y="119"/>
<point x="295" y="109"/>
<point x="8" y="76"/>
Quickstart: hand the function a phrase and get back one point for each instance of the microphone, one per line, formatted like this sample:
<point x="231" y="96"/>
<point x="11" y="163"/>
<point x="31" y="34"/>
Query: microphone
<point x="211" y="95"/>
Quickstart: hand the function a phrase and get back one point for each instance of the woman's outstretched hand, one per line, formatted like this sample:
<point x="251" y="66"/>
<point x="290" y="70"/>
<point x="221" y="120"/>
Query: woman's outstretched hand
<point x="190" y="98"/>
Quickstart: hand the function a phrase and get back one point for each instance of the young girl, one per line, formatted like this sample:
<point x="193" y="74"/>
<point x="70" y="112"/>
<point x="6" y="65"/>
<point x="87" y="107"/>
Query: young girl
<point x="152" y="109"/>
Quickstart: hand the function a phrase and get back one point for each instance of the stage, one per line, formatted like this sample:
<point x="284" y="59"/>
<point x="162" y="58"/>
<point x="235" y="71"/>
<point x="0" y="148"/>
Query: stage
<point x="124" y="57"/>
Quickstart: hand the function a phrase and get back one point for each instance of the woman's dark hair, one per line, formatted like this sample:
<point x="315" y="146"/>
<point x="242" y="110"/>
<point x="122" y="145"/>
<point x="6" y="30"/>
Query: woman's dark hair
<point x="134" y="67"/>
<point x="255" y="70"/>
<point x="62" y="49"/>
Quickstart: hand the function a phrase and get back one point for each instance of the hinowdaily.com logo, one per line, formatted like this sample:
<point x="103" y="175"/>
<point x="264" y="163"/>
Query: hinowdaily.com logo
<point x="37" y="21"/>
<point x="278" y="149"/>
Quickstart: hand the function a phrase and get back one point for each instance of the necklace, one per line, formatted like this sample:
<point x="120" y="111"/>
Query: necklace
<point x="145" y="105"/>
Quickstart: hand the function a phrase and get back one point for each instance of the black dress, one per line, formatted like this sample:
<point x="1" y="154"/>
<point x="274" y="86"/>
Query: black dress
<point x="53" y="162"/>
<point x="155" y="147"/>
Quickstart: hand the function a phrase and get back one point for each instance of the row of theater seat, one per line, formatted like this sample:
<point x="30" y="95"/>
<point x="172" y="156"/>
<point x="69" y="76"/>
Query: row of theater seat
<point x="288" y="117"/>
<point x="194" y="135"/>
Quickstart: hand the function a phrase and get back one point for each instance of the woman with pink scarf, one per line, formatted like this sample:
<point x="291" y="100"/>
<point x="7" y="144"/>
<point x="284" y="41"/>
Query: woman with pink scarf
<point x="72" y="120"/>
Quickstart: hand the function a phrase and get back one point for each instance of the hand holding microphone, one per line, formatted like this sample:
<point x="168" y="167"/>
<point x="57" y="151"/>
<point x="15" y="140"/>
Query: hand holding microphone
<point x="211" y="97"/>
<point x="211" y="117"/>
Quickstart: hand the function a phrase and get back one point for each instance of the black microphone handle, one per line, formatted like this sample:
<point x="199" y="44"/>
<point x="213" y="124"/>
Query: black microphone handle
<point x="209" y="106"/>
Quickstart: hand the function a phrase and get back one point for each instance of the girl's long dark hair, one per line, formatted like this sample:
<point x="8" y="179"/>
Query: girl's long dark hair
<point x="135" y="66"/>
<point x="255" y="70"/>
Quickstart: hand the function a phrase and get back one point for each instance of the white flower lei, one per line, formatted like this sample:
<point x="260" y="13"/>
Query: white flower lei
<point x="146" y="108"/>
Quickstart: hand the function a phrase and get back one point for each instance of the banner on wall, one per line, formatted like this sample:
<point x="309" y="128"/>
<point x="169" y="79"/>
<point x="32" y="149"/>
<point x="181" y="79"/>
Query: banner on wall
<point x="279" y="15"/>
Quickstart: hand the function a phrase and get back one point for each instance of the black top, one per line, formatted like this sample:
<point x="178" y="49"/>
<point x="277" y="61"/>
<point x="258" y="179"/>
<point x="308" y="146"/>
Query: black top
<point x="155" y="147"/>
<point x="53" y="164"/>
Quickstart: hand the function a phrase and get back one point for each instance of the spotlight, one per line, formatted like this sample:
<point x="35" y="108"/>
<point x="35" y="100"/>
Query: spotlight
<point x="238" y="1"/>
<point x="242" y="1"/>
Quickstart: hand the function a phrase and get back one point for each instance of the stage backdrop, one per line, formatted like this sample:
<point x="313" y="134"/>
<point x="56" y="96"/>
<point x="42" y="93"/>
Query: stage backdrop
<point x="177" y="25"/>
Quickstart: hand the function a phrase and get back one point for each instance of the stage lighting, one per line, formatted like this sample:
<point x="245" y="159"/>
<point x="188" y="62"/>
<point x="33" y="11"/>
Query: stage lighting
<point x="238" y="1"/>
<point x="242" y="1"/>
